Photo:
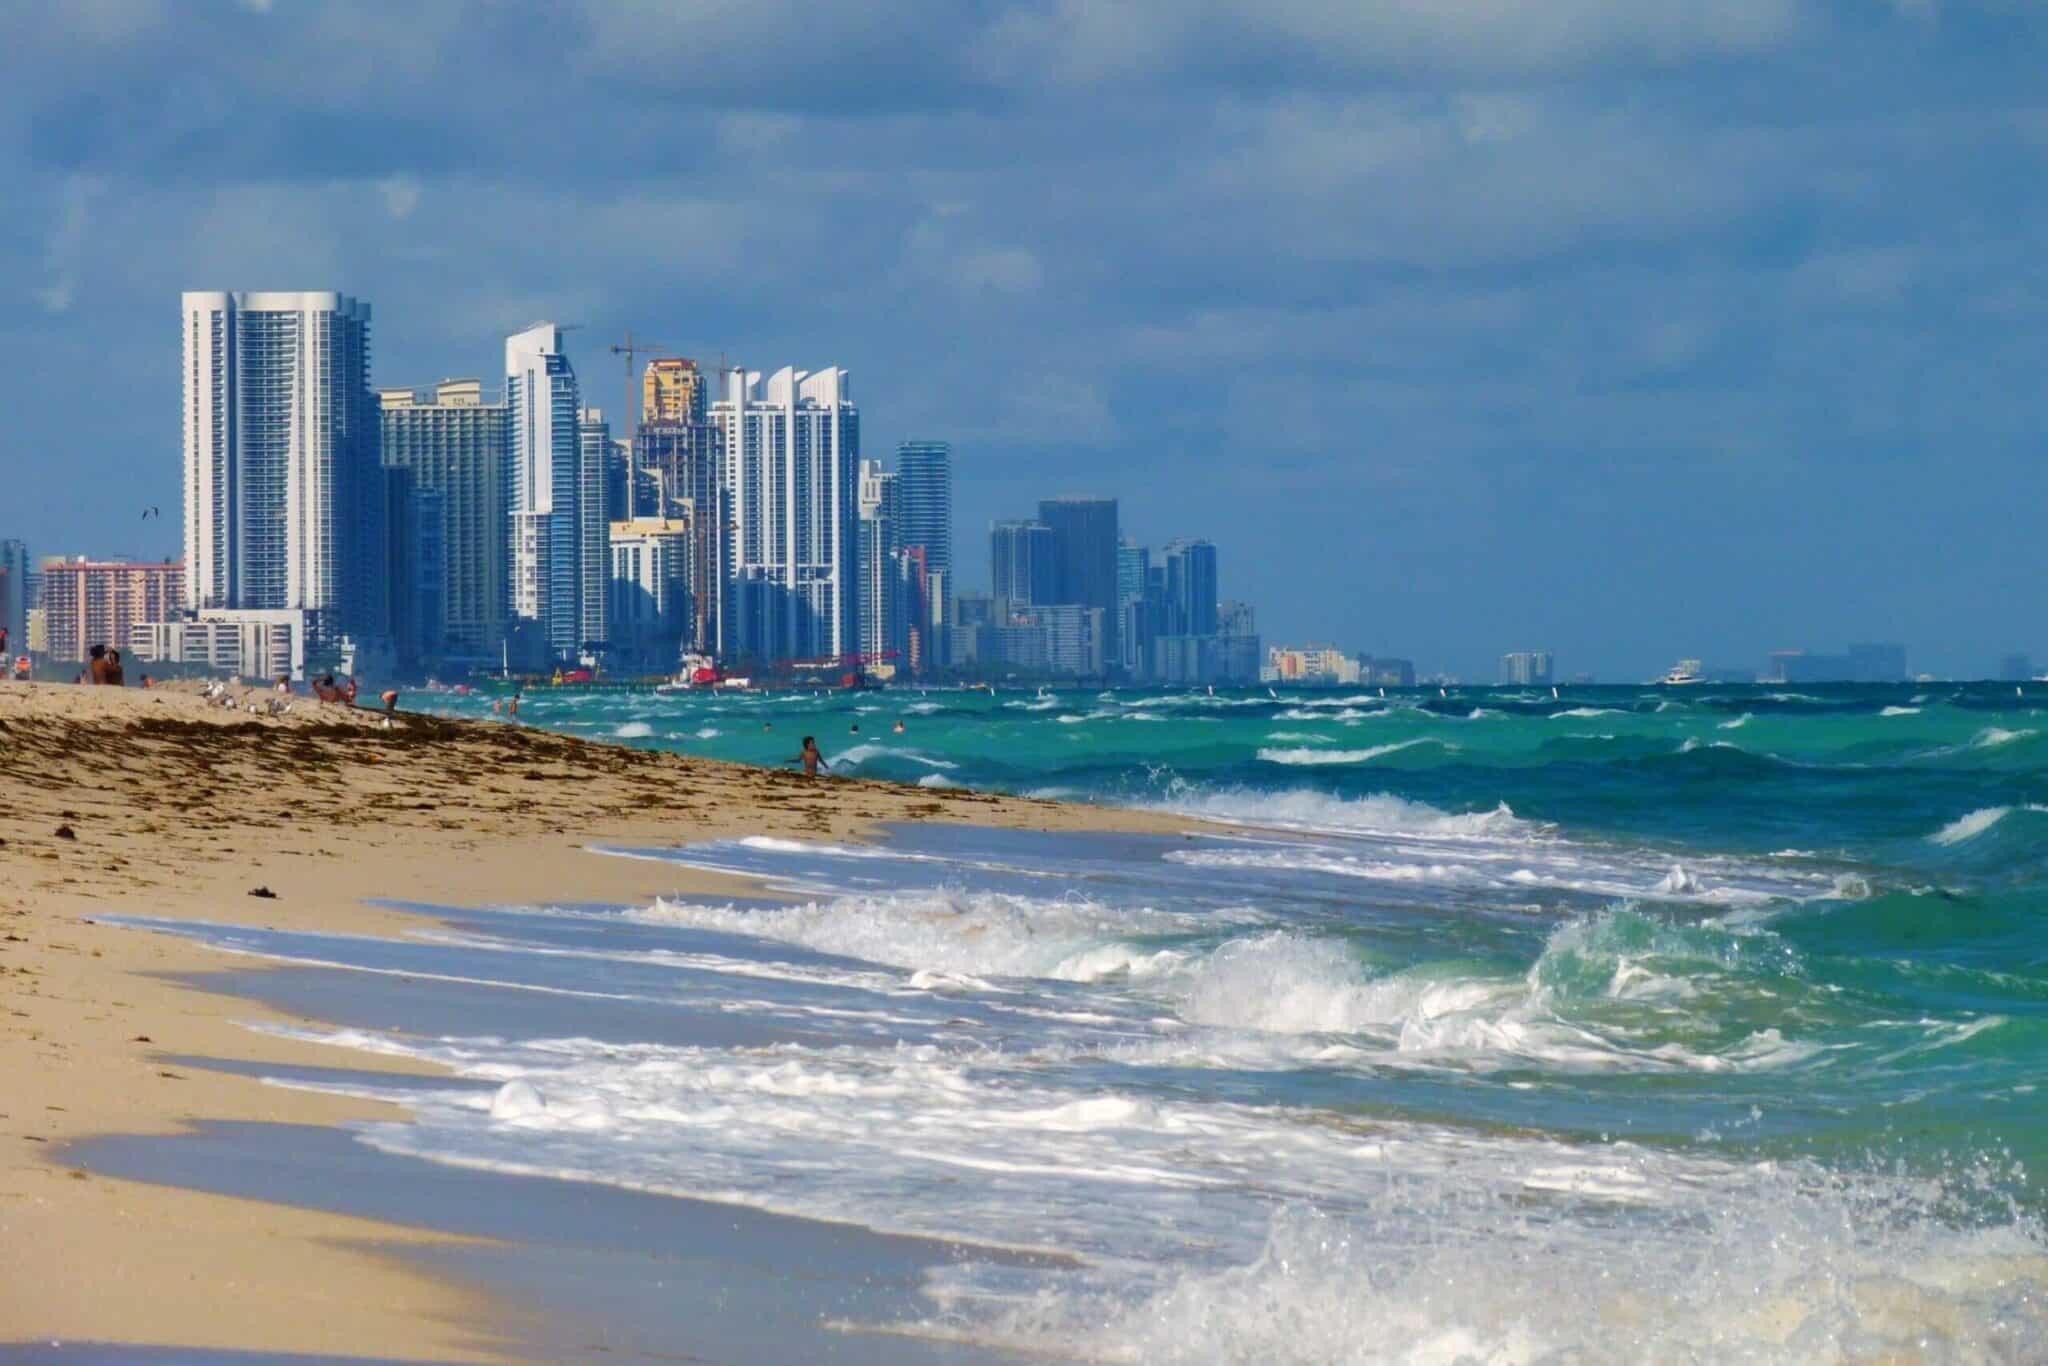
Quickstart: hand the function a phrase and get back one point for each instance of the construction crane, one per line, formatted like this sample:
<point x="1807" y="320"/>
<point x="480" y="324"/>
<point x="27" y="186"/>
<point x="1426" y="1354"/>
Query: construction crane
<point x="632" y="349"/>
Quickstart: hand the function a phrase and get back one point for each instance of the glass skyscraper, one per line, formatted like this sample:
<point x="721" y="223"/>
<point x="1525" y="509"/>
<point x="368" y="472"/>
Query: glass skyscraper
<point x="1021" y="565"/>
<point x="1084" y="533"/>
<point x="924" y="470"/>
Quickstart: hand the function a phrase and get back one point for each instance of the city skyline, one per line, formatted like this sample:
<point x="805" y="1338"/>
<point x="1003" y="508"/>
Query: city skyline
<point x="1648" y="334"/>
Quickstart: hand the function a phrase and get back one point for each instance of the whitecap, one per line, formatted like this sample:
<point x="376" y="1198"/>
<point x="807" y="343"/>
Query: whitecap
<point x="860" y="754"/>
<point x="1344" y="756"/>
<point x="1970" y="826"/>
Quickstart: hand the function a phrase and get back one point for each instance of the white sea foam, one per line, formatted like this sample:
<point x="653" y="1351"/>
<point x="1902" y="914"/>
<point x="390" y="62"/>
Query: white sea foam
<point x="1678" y="882"/>
<point x="1970" y="826"/>
<point x="1737" y="724"/>
<point x="1306" y="809"/>
<point x="936" y="780"/>
<point x="1991" y="737"/>
<point x="983" y="933"/>
<point x="634" y="730"/>
<point x="1900" y="711"/>
<point x="1584" y="712"/>
<point x="857" y="755"/>
<point x="1345" y="756"/>
<point x="1782" y="1267"/>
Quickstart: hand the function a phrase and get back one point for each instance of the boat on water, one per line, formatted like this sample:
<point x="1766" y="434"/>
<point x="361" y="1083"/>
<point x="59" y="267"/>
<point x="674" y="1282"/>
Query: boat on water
<point x="1682" y="674"/>
<point x="699" y="671"/>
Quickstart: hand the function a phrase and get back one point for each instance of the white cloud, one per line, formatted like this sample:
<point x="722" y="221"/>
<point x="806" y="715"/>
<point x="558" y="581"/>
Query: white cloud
<point x="1086" y="42"/>
<point x="65" y="245"/>
<point x="401" y="195"/>
<point x="1011" y="270"/>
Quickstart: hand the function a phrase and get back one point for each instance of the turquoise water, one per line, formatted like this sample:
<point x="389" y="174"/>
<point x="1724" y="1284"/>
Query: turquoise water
<point x="1630" y="1024"/>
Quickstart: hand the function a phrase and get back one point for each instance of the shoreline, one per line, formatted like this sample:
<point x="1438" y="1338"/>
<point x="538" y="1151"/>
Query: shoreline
<point x="180" y="808"/>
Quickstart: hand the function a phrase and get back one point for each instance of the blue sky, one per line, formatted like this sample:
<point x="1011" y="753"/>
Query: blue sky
<point x="1629" y="329"/>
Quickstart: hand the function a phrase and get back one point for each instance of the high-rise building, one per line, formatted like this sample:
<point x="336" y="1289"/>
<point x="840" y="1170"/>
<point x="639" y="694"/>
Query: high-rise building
<point x="792" y="451"/>
<point x="284" y="491"/>
<point x="543" y="481"/>
<point x="1021" y="563"/>
<point x="16" y="595"/>
<point x="593" y="534"/>
<point x="88" y="602"/>
<point x="924" y="471"/>
<point x="453" y="443"/>
<point x="672" y="389"/>
<point x="679" y="475"/>
<point x="1237" y="644"/>
<point x="1190" y="588"/>
<point x="1136" y="624"/>
<point x="1527" y="668"/>
<point x="1084" y="532"/>
<point x="883" y="623"/>
<point x="416" y="576"/>
<point x="1133" y="562"/>
<point x="649" y="614"/>
<point x="620" y="496"/>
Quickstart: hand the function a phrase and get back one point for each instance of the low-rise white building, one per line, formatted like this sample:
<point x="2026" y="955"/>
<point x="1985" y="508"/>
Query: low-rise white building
<point x="253" y="643"/>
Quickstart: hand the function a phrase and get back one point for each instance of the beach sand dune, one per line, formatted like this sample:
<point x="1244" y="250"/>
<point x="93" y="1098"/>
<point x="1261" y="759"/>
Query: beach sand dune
<point x="165" y="802"/>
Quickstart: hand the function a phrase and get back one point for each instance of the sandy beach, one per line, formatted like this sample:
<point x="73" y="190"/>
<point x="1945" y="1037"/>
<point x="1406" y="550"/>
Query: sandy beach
<point x="165" y="803"/>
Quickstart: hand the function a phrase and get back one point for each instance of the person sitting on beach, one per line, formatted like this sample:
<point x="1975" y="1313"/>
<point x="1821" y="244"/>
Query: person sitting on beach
<point x="114" y="677"/>
<point x="810" y="758"/>
<point x="145" y="681"/>
<point x="284" y="682"/>
<point x="96" y="665"/>
<point x="389" y="697"/>
<point x="324" y="689"/>
<point x="347" y="696"/>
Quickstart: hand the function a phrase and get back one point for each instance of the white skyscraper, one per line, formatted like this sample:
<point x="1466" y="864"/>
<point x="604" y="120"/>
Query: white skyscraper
<point x="792" y="455"/>
<point x="284" y="492"/>
<point x="543" y="476"/>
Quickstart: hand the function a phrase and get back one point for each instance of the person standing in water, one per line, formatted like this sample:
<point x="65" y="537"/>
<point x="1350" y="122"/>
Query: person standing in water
<point x="810" y="758"/>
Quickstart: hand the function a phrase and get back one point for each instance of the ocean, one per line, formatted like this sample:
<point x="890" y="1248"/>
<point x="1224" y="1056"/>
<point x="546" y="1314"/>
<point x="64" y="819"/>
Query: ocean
<point x="1631" y="1024"/>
